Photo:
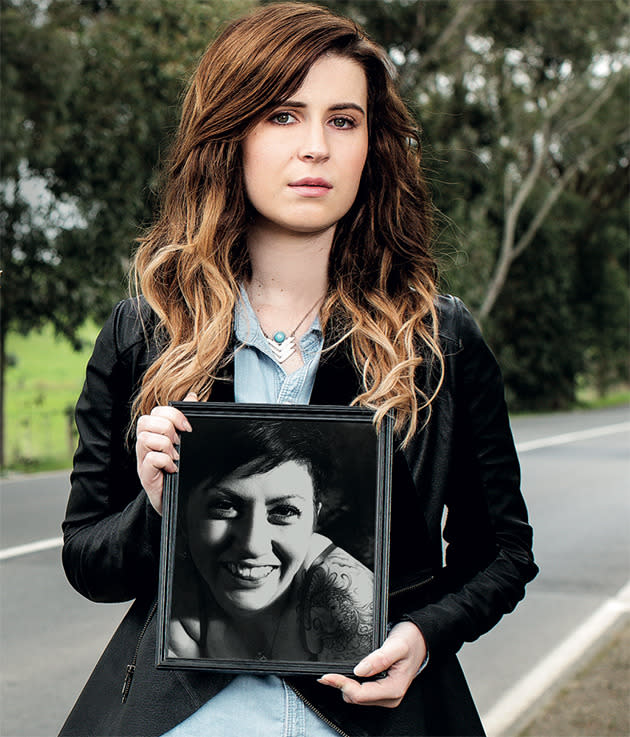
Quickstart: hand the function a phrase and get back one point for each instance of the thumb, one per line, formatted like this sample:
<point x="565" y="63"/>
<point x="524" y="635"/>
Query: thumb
<point x="191" y="397"/>
<point x="379" y="660"/>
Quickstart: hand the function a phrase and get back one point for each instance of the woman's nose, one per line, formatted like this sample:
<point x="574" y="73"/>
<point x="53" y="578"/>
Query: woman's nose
<point x="255" y="540"/>
<point x="314" y="146"/>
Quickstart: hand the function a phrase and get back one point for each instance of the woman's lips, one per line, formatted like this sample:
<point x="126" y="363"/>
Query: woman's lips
<point x="249" y="573"/>
<point x="311" y="187"/>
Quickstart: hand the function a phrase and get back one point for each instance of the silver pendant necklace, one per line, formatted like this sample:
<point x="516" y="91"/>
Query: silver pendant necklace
<point x="283" y="345"/>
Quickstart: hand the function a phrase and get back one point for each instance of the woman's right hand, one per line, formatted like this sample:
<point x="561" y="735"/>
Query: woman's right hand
<point x="156" y="438"/>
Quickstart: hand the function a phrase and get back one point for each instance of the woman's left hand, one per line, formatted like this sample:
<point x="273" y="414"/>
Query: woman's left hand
<point x="401" y="655"/>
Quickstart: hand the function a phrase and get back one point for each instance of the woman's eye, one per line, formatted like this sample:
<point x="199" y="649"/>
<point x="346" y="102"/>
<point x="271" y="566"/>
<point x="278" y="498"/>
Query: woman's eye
<point x="343" y="123"/>
<point x="222" y="509"/>
<point x="283" y="118"/>
<point x="284" y="514"/>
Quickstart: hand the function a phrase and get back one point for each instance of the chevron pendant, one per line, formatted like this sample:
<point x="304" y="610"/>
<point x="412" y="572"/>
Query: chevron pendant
<point x="282" y="346"/>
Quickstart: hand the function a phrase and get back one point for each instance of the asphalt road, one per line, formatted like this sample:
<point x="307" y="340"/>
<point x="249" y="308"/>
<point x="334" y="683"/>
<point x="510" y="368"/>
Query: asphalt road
<point x="579" y="506"/>
<point x="577" y="493"/>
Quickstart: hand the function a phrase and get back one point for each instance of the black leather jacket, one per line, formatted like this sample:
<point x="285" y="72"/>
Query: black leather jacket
<point x="463" y="461"/>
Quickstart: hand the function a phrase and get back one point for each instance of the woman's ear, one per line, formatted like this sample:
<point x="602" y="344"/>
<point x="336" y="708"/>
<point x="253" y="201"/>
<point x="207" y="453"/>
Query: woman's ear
<point x="318" y="509"/>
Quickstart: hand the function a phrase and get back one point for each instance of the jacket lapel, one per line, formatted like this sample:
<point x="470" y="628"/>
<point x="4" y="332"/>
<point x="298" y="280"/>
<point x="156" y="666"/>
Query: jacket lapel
<point x="336" y="381"/>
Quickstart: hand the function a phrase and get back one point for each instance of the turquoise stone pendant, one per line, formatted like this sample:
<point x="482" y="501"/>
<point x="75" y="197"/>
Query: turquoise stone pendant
<point x="282" y="345"/>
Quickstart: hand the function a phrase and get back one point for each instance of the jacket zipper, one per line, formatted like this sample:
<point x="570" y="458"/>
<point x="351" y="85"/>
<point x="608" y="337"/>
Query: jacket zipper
<point x="324" y="719"/>
<point x="131" y="667"/>
<point x="412" y="586"/>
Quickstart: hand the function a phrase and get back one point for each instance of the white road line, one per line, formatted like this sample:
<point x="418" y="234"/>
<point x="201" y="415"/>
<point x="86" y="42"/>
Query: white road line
<point x="52" y="542"/>
<point x="537" y="683"/>
<point x="572" y="437"/>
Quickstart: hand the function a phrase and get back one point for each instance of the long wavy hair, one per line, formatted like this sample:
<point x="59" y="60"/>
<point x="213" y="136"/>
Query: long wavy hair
<point x="382" y="275"/>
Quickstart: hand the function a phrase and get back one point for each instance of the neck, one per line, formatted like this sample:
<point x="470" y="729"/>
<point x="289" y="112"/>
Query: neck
<point x="249" y="635"/>
<point x="288" y="270"/>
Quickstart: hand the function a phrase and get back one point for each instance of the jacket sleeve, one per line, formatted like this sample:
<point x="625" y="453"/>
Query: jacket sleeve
<point x="489" y="555"/>
<point x="111" y="531"/>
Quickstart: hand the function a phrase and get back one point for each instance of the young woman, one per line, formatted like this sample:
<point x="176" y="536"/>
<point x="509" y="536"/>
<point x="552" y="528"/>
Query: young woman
<point x="254" y="577"/>
<point x="295" y="203"/>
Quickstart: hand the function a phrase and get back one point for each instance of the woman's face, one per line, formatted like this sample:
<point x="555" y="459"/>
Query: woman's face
<point x="303" y="162"/>
<point x="249" y="536"/>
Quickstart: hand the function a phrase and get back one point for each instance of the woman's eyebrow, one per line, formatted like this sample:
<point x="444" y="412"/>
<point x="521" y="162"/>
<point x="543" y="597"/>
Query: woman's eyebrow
<point x="288" y="497"/>
<point x="336" y="106"/>
<point x="223" y="491"/>
<point x="347" y="106"/>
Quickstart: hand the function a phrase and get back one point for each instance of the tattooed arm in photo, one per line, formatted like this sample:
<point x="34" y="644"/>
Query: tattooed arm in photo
<point x="336" y="607"/>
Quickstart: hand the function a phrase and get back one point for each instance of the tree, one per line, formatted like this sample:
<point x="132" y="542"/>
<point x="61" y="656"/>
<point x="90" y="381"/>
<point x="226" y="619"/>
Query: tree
<point x="520" y="102"/>
<point x="601" y="297"/>
<point x="91" y="93"/>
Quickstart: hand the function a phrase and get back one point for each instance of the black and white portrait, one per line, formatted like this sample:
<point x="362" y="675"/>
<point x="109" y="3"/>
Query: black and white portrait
<point x="274" y="542"/>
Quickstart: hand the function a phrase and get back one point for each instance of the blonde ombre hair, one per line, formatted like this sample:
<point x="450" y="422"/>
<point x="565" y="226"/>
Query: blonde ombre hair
<point x="382" y="275"/>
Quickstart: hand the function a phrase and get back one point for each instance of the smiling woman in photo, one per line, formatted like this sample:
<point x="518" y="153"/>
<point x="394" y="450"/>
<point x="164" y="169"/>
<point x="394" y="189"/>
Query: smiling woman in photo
<point x="253" y="578"/>
<point x="292" y="262"/>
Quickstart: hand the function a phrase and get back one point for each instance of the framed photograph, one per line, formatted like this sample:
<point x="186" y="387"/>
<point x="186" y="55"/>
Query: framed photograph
<point x="275" y="540"/>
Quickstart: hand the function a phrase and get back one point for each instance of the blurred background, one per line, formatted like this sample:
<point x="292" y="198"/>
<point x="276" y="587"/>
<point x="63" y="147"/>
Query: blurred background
<point x="523" y="107"/>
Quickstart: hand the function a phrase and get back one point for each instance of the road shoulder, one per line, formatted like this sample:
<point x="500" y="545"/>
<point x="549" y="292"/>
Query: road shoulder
<point x="593" y="701"/>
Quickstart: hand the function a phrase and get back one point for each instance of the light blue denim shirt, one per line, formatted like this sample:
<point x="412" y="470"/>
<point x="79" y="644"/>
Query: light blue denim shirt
<point x="258" y="377"/>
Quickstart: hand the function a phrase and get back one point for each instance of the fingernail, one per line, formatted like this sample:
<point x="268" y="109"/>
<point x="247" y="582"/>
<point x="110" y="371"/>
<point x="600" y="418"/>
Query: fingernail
<point x="187" y="426"/>
<point x="326" y="682"/>
<point x="362" y="669"/>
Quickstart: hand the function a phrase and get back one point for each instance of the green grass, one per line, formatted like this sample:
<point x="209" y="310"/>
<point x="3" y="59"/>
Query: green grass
<point x="587" y="399"/>
<point x="43" y="381"/>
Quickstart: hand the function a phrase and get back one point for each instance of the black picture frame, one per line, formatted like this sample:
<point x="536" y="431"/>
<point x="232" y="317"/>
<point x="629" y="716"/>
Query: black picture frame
<point x="275" y="539"/>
